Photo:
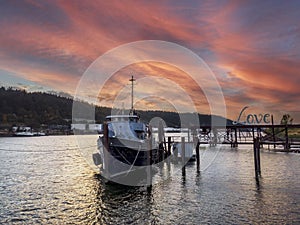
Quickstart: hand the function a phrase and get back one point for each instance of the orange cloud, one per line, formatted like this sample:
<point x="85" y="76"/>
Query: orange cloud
<point x="253" y="48"/>
<point x="120" y="80"/>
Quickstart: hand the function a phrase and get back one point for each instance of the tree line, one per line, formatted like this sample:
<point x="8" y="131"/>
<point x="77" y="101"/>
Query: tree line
<point x="18" y="107"/>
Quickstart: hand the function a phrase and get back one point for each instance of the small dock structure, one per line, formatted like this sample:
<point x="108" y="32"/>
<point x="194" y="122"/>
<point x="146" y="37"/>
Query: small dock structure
<point x="274" y="137"/>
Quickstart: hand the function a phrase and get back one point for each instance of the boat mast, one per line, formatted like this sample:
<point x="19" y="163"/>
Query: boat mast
<point x="132" y="80"/>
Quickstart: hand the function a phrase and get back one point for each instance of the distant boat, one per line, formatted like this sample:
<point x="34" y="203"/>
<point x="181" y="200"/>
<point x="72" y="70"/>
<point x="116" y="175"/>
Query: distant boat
<point x="26" y="132"/>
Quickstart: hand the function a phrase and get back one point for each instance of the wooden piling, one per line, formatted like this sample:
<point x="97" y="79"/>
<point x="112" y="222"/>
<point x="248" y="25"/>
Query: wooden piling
<point x="231" y="139"/>
<point x="255" y="147"/>
<point x="273" y="131"/>
<point x="106" y="148"/>
<point x="198" y="156"/>
<point x="256" y="150"/>
<point x="149" y="165"/>
<point x="235" y="138"/>
<point x="287" y="146"/>
<point x="258" y="158"/>
<point x="183" y="155"/>
<point x="169" y="146"/>
<point x="163" y="150"/>
<point x="105" y="135"/>
<point x="215" y="138"/>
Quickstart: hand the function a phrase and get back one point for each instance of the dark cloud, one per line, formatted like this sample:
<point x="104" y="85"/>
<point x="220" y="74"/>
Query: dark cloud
<point x="253" y="46"/>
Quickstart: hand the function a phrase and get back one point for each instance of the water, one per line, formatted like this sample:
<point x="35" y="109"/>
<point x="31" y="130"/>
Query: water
<point x="45" y="180"/>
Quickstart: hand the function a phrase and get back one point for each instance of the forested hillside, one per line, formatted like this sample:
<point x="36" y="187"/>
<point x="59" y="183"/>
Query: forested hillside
<point x="18" y="107"/>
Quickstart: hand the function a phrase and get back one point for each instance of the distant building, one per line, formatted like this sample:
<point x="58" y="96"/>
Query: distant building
<point x="95" y="127"/>
<point x="86" y="127"/>
<point x="78" y="126"/>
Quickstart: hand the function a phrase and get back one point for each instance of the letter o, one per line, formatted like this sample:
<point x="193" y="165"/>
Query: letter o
<point x="248" y="119"/>
<point x="266" y="118"/>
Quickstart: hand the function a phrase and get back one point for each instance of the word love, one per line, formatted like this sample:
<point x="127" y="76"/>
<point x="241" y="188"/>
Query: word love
<point x="253" y="118"/>
<point x="256" y="119"/>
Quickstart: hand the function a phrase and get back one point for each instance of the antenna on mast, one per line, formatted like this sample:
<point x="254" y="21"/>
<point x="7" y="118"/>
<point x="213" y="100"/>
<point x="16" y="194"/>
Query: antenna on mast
<point x="132" y="80"/>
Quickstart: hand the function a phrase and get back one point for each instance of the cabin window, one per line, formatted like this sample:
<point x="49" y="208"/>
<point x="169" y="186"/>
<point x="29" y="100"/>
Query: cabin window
<point x="111" y="132"/>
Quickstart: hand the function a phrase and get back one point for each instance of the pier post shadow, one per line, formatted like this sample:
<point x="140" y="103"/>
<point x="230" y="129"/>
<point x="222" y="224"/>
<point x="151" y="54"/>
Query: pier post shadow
<point x="257" y="182"/>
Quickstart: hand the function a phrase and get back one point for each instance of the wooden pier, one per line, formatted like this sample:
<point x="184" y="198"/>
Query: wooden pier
<point x="234" y="135"/>
<point x="275" y="136"/>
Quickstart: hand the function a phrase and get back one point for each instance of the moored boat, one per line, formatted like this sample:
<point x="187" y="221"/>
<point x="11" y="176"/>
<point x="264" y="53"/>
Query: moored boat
<point x="126" y="147"/>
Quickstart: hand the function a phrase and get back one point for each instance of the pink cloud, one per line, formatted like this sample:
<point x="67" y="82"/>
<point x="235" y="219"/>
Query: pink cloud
<point x="254" y="47"/>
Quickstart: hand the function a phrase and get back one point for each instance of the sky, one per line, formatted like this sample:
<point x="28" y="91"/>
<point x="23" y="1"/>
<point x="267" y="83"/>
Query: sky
<point x="252" y="48"/>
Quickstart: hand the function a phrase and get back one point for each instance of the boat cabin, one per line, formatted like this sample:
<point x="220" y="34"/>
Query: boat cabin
<point x="126" y="126"/>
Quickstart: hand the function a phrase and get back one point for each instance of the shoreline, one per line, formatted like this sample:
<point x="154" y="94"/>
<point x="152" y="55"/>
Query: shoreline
<point x="264" y="149"/>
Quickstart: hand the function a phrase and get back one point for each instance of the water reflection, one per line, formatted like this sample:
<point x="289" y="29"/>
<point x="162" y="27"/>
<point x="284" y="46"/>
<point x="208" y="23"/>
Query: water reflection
<point x="119" y="204"/>
<point x="197" y="178"/>
<point x="257" y="183"/>
<point x="57" y="187"/>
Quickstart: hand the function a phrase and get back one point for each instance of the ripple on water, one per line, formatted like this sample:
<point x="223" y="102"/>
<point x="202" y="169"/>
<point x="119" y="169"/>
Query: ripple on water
<point x="54" y="185"/>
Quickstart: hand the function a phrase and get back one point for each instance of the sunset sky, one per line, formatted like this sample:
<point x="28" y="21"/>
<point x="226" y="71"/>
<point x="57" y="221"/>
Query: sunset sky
<point x="252" y="47"/>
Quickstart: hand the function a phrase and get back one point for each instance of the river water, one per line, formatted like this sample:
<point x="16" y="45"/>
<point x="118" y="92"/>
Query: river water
<point x="45" y="180"/>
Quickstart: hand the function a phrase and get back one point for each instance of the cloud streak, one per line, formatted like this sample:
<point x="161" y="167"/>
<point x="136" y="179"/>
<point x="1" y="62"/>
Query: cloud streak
<point x="252" y="47"/>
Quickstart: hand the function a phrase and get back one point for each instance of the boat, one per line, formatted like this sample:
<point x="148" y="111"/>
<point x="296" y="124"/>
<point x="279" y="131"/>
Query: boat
<point x="22" y="131"/>
<point x="126" y="147"/>
<point x="25" y="132"/>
